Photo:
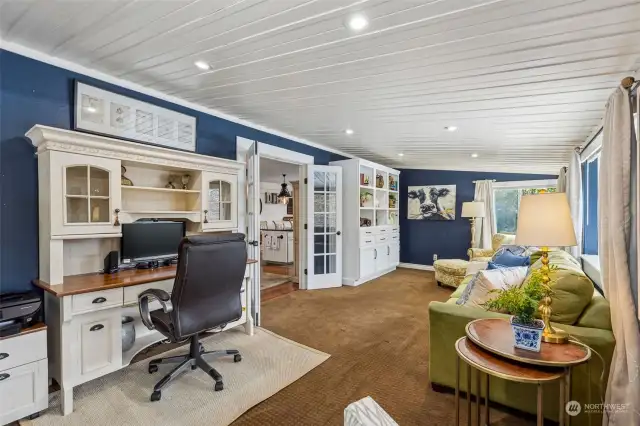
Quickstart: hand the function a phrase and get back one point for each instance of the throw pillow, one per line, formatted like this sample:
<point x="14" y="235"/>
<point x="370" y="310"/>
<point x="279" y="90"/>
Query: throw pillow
<point x="478" y="291"/>
<point x="509" y="259"/>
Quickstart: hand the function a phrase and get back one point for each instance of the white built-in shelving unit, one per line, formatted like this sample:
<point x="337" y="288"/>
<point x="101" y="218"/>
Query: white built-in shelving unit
<point x="370" y="215"/>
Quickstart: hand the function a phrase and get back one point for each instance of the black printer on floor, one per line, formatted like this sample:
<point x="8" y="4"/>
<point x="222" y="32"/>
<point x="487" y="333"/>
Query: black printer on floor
<point x="18" y="311"/>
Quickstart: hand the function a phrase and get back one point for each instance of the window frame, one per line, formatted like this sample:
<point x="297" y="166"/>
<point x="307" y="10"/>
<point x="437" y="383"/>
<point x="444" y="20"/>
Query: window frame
<point x="519" y="184"/>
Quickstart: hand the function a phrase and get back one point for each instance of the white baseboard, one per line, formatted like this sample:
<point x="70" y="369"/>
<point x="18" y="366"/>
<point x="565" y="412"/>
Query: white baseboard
<point x="416" y="266"/>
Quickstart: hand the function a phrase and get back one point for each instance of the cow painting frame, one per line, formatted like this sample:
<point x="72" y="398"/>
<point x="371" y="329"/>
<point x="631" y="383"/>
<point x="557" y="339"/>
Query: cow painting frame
<point x="431" y="202"/>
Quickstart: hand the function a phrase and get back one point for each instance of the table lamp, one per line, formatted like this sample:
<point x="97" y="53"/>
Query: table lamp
<point x="472" y="210"/>
<point x="544" y="220"/>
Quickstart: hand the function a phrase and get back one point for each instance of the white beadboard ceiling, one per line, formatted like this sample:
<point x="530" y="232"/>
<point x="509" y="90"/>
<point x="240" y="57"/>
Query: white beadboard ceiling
<point x="524" y="81"/>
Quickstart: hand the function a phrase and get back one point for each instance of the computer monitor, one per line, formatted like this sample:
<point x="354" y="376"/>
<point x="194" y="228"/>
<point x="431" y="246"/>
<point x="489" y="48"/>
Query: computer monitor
<point x="151" y="240"/>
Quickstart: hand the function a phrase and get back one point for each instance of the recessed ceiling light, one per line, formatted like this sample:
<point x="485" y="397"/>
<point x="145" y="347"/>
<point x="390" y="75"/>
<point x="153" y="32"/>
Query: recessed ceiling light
<point x="91" y="109"/>
<point x="358" y="22"/>
<point x="349" y="131"/>
<point x="202" y="65"/>
<point x="451" y="128"/>
<point x="474" y="155"/>
<point x="400" y="154"/>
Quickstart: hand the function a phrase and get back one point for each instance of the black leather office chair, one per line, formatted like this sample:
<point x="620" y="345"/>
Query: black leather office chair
<point x="206" y="295"/>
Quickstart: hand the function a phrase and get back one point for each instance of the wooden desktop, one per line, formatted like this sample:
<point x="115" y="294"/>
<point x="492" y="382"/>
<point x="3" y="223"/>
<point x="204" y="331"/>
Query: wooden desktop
<point x="86" y="283"/>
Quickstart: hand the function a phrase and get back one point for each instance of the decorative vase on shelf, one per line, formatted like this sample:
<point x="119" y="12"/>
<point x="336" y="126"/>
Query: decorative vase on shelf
<point x="528" y="337"/>
<point x="124" y="181"/>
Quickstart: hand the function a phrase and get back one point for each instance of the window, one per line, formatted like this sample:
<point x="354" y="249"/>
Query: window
<point x="590" y="205"/>
<point x="506" y="201"/>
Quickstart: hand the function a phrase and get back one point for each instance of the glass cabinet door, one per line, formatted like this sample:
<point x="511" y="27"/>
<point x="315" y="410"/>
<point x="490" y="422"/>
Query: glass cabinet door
<point x="87" y="195"/>
<point x="220" y="201"/>
<point x="84" y="194"/>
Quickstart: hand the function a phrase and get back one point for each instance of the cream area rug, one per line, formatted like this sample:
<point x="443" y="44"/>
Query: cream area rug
<point x="269" y="364"/>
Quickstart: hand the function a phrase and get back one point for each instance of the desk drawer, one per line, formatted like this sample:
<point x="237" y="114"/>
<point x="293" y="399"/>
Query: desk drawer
<point x="96" y="300"/>
<point x="131" y="293"/>
<point x="23" y="349"/>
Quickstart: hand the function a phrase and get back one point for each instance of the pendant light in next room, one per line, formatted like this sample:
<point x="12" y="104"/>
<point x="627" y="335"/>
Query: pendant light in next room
<point x="284" y="195"/>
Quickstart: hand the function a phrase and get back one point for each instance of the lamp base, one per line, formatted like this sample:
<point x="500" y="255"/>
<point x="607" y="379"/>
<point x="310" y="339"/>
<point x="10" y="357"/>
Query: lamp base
<point x="558" y="336"/>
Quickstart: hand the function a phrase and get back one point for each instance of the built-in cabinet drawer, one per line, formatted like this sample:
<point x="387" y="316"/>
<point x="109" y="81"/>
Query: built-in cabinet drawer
<point x="22" y="349"/>
<point x="394" y="238"/>
<point x="382" y="239"/>
<point x="100" y="343"/>
<point x="23" y="390"/>
<point x="96" y="300"/>
<point x="367" y="232"/>
<point x="367" y="241"/>
<point x="395" y="229"/>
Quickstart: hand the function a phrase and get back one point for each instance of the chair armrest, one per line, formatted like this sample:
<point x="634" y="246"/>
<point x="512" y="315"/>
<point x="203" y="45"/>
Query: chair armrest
<point x="478" y="252"/>
<point x="143" y="304"/>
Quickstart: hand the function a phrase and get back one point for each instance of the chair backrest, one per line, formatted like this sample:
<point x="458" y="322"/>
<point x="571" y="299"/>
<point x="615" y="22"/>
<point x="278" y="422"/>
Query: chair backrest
<point x="206" y="291"/>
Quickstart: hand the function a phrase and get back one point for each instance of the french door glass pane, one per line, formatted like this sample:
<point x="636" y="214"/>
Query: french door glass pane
<point x="318" y="203"/>
<point x="331" y="181"/>
<point x="99" y="180"/>
<point x="318" y="265"/>
<point x="318" y="181"/>
<point x="318" y="222"/>
<point x="76" y="180"/>
<point x="331" y="243"/>
<point x="331" y="264"/>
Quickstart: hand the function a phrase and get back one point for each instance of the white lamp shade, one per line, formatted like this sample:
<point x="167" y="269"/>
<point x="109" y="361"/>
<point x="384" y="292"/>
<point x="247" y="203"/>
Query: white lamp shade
<point x="473" y="209"/>
<point x="545" y="220"/>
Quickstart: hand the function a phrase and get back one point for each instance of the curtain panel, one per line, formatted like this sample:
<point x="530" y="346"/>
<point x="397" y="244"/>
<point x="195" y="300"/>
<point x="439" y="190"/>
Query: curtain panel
<point x="614" y="236"/>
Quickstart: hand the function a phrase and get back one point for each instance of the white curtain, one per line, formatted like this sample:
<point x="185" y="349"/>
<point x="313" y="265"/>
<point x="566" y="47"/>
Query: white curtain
<point x="486" y="226"/>
<point x="614" y="237"/>
<point x="573" y="188"/>
<point x="561" y="186"/>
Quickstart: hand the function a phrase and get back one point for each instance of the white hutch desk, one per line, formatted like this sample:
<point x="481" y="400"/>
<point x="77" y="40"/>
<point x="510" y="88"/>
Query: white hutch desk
<point x="82" y="203"/>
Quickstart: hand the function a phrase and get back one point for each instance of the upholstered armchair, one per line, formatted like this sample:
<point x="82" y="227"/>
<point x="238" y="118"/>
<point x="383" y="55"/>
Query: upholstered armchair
<point x="497" y="240"/>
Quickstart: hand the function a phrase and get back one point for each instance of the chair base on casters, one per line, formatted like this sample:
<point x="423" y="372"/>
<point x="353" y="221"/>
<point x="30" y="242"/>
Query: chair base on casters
<point x="194" y="359"/>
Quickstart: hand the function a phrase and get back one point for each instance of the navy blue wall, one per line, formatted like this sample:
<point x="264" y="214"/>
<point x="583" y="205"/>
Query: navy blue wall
<point x="420" y="240"/>
<point x="32" y="92"/>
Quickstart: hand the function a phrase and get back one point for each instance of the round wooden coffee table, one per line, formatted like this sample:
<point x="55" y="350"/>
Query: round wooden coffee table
<point x="489" y="347"/>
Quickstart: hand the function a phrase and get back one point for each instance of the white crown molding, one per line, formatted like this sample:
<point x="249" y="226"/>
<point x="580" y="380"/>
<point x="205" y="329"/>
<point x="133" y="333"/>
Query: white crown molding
<point x="46" y="138"/>
<point x="416" y="266"/>
<point x="71" y="66"/>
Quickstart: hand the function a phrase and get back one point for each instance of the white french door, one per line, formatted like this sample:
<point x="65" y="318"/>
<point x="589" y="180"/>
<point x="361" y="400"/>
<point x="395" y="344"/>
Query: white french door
<point x="253" y="227"/>
<point x="323" y="227"/>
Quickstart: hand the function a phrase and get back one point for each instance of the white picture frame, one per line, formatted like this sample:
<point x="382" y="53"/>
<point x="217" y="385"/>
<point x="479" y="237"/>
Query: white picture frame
<point x="107" y="113"/>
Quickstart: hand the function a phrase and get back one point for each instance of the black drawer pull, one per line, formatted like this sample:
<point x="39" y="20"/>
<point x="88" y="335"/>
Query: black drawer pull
<point x="96" y="327"/>
<point x="3" y="355"/>
<point x="4" y="376"/>
<point x="99" y="300"/>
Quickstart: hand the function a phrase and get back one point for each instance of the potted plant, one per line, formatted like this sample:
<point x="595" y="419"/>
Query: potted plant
<point x="522" y="303"/>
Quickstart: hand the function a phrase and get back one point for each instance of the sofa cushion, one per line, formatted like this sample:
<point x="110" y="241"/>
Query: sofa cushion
<point x="507" y="258"/>
<point x="597" y="314"/>
<point x="479" y="289"/>
<point x="572" y="289"/>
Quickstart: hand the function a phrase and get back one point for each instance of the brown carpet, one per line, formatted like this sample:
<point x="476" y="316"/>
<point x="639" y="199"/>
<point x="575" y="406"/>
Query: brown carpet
<point x="377" y="336"/>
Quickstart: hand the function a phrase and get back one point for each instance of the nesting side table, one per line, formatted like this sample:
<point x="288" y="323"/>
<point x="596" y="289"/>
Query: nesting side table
<point x="489" y="348"/>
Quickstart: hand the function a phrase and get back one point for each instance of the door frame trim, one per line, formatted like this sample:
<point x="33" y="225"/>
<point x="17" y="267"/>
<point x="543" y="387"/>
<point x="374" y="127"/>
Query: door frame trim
<point x="286" y="156"/>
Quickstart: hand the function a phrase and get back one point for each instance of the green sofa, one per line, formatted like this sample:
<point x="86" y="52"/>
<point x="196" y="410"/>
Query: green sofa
<point x="582" y="312"/>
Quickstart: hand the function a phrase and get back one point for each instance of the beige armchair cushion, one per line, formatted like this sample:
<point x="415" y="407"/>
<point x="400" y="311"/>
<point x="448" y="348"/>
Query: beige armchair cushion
<point x="499" y="240"/>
